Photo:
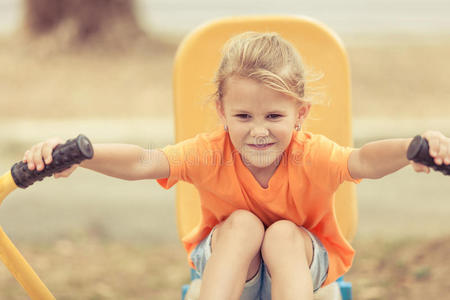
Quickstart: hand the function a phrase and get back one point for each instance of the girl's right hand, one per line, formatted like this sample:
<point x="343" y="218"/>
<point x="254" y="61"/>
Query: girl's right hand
<point x="41" y="154"/>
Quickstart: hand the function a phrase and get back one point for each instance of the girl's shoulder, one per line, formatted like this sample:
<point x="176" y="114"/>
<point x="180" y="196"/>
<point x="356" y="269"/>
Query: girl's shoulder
<point x="306" y="138"/>
<point x="214" y="140"/>
<point x="311" y="142"/>
<point x="216" y="137"/>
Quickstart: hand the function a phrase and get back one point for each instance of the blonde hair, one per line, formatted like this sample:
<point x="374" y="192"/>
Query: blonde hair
<point x="266" y="58"/>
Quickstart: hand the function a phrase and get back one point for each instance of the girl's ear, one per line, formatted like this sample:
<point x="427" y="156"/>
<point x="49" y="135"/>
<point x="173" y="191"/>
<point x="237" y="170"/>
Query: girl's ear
<point x="220" y="111"/>
<point x="303" y="112"/>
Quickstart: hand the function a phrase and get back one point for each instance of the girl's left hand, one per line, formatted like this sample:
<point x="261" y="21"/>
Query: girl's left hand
<point x="439" y="150"/>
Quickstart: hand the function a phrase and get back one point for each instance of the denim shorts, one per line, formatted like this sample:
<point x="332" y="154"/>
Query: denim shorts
<point x="259" y="287"/>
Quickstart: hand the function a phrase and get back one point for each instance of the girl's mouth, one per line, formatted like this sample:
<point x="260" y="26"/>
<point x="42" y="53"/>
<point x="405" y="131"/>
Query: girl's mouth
<point x="261" y="146"/>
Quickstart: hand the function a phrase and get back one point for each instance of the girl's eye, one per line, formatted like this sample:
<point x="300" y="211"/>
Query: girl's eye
<point x="243" y="116"/>
<point x="274" y="116"/>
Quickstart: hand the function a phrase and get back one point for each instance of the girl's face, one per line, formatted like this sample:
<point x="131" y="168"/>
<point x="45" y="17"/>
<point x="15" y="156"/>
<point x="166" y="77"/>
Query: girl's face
<point x="260" y="121"/>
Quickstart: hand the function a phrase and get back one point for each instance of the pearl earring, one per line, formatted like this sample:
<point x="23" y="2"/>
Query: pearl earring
<point x="298" y="127"/>
<point x="225" y="127"/>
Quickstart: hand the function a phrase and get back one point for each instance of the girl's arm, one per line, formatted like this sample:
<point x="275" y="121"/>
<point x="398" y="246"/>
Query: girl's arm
<point x="128" y="162"/>
<point x="123" y="161"/>
<point x="377" y="159"/>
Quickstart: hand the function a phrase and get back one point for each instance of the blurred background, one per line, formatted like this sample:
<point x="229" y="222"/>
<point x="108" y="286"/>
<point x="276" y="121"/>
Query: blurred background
<point x="104" y="68"/>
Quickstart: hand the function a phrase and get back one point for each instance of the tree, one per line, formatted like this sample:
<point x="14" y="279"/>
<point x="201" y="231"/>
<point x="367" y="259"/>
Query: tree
<point x="80" y="22"/>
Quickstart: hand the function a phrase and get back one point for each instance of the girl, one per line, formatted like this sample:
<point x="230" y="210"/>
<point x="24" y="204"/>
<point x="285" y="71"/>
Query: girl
<point x="267" y="228"/>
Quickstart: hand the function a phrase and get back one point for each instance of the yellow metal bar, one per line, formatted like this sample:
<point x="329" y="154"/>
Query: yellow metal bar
<point x="7" y="185"/>
<point x="12" y="258"/>
<point x="21" y="270"/>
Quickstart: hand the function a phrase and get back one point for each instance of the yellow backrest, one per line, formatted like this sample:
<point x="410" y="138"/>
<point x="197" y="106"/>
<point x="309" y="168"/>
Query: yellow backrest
<point x="198" y="58"/>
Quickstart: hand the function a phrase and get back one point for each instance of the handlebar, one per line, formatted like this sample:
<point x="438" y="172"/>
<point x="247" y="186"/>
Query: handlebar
<point x="64" y="156"/>
<point x="418" y="151"/>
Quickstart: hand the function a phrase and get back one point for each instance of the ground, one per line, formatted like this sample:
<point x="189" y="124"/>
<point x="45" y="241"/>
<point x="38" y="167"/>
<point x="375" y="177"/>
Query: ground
<point x="402" y="77"/>
<point x="93" y="268"/>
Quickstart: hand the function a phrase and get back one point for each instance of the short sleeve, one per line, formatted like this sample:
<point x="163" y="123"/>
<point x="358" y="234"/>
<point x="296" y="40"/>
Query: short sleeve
<point x="327" y="162"/>
<point x="174" y="155"/>
<point x="189" y="161"/>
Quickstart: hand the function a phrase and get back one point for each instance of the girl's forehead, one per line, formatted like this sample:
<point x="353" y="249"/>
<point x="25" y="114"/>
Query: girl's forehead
<point x="246" y="93"/>
<point x="238" y="83"/>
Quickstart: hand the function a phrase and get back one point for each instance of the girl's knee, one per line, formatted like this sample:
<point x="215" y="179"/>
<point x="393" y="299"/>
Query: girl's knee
<point x="282" y="230"/>
<point x="284" y="234"/>
<point x="242" y="226"/>
<point x="243" y="220"/>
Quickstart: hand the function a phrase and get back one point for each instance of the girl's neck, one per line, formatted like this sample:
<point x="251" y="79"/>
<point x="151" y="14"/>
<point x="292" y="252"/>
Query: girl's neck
<point x="263" y="175"/>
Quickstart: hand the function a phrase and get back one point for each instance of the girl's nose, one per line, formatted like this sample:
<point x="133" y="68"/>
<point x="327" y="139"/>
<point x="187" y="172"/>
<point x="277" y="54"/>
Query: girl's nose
<point x="259" y="131"/>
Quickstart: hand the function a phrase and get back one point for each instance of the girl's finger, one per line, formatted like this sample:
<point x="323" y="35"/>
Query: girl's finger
<point x="447" y="155"/>
<point x="37" y="157"/>
<point x="29" y="160"/>
<point x="442" y="154"/>
<point x="47" y="149"/>
<point x="420" y="168"/>
<point x="433" y="142"/>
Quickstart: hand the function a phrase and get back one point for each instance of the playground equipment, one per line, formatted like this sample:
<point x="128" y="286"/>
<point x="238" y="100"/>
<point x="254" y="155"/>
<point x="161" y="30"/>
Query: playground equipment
<point x="64" y="156"/>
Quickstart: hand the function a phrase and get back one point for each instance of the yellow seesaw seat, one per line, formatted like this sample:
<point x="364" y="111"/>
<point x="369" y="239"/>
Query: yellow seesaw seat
<point x="196" y="61"/>
<point x="198" y="58"/>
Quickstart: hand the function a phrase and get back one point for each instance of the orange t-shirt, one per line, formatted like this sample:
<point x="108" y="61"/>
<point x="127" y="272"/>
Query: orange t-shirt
<point x="301" y="189"/>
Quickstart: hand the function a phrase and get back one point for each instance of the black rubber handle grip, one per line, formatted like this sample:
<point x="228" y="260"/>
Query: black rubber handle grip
<point x="418" y="151"/>
<point x="64" y="156"/>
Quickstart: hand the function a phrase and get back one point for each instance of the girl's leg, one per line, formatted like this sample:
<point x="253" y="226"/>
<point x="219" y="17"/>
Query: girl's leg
<point x="287" y="251"/>
<point x="235" y="256"/>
